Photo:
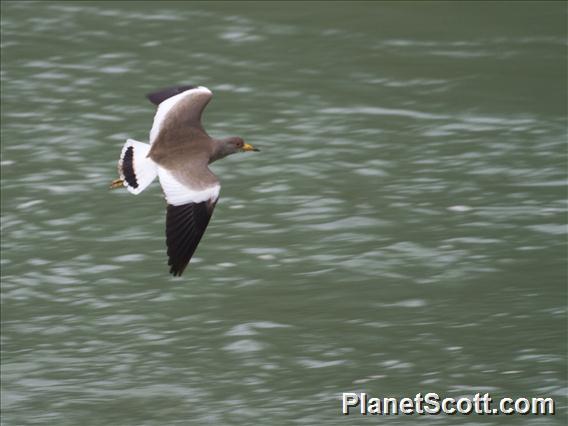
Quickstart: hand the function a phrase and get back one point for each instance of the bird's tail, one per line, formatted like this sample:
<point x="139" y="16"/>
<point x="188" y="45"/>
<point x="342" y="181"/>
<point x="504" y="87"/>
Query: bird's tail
<point x="135" y="168"/>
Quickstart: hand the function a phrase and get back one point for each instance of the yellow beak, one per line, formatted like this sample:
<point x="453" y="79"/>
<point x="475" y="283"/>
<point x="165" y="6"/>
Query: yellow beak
<point x="248" y="147"/>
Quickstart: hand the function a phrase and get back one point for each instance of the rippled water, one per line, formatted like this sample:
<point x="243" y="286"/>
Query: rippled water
<point x="403" y="229"/>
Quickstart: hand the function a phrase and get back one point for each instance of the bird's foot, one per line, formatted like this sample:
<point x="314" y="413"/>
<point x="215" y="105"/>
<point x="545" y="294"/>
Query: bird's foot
<point x="117" y="183"/>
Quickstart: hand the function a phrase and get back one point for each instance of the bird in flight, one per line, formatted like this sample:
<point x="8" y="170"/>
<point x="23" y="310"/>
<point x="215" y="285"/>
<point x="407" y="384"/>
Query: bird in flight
<point x="179" y="153"/>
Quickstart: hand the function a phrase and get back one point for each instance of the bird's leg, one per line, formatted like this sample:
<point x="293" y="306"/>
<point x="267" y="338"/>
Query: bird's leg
<point x="117" y="183"/>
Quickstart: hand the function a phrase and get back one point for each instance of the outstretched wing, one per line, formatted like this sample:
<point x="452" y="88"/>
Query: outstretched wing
<point x="180" y="106"/>
<point x="188" y="213"/>
<point x="185" y="225"/>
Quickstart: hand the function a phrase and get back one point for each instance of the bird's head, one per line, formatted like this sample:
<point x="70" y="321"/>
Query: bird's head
<point x="236" y="144"/>
<point x="230" y="146"/>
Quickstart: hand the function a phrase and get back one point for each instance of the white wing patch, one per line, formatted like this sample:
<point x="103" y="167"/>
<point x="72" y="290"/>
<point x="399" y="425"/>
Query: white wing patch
<point x="167" y="105"/>
<point x="177" y="194"/>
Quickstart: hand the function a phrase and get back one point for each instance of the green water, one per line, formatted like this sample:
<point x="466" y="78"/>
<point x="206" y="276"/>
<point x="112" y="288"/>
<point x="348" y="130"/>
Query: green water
<point x="402" y="230"/>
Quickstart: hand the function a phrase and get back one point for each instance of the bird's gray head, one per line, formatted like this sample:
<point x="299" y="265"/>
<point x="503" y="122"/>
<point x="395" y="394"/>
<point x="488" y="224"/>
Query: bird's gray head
<point x="230" y="146"/>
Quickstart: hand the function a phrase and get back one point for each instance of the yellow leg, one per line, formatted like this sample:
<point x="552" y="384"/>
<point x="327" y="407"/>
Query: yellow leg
<point x="117" y="183"/>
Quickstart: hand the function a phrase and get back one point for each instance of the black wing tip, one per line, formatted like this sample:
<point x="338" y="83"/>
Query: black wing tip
<point x="177" y="267"/>
<point x="161" y="95"/>
<point x="185" y="225"/>
<point x="176" y="271"/>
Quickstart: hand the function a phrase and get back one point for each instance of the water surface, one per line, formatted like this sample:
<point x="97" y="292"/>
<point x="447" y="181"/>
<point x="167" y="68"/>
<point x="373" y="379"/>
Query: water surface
<point x="402" y="230"/>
